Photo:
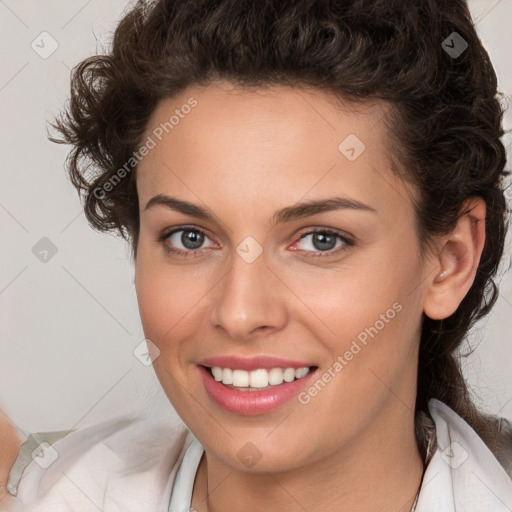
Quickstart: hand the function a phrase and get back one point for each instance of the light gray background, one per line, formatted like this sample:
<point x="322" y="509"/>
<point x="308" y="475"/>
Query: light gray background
<point x="69" y="326"/>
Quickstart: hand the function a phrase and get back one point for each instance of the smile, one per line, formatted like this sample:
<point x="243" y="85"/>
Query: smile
<point x="257" y="379"/>
<point x="257" y="391"/>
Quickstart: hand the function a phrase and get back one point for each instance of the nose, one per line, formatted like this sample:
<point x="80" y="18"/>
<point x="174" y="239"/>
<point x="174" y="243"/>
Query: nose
<point x="249" y="300"/>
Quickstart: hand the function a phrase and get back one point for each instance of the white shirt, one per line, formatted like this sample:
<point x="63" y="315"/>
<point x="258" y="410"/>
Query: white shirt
<point x="126" y="465"/>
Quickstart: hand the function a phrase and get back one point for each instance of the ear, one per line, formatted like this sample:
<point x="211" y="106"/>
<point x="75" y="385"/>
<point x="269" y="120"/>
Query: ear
<point x="457" y="261"/>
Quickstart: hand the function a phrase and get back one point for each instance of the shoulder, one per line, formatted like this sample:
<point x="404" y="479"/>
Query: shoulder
<point x="124" y="464"/>
<point x="503" y="443"/>
<point x="500" y="446"/>
<point x="463" y="473"/>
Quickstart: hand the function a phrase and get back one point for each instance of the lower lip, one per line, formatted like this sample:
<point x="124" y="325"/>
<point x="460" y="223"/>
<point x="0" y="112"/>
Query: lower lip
<point x="251" y="403"/>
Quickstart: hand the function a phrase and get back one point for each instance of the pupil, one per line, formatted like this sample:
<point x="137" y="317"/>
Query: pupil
<point x="192" y="239"/>
<point x="324" y="242"/>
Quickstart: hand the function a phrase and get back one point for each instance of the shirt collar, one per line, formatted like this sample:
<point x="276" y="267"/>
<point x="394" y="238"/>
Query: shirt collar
<point x="463" y="475"/>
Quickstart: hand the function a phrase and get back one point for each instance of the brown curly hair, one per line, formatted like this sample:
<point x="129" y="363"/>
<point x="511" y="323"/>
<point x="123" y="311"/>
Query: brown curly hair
<point x="446" y="118"/>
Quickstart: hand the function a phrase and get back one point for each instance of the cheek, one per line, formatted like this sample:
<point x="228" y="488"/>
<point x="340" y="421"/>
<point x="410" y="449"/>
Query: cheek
<point x="369" y="313"/>
<point x="165" y="307"/>
<point x="342" y="303"/>
<point x="169" y="298"/>
<point x="153" y="297"/>
<point x="157" y="296"/>
<point x="370" y="334"/>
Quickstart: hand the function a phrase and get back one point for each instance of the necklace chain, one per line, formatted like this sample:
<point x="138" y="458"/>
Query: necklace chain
<point x="414" y="505"/>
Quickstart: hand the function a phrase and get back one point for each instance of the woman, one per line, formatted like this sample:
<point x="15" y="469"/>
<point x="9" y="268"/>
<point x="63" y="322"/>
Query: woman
<point x="313" y="194"/>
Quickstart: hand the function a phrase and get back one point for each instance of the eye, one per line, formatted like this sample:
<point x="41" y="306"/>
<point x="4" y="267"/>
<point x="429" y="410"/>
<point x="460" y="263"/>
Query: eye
<point x="189" y="241"/>
<point x="323" y="241"/>
<point x="184" y="240"/>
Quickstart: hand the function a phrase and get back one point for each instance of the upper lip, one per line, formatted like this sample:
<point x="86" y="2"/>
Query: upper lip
<point x="252" y="363"/>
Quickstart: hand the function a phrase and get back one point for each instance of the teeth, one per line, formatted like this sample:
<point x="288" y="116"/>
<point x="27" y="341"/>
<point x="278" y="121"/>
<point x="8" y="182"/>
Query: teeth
<point x="301" y="372"/>
<point x="217" y="373"/>
<point x="289" y="374"/>
<point x="260" y="378"/>
<point x="240" y="378"/>
<point x="275" y="376"/>
<point x="227" y="376"/>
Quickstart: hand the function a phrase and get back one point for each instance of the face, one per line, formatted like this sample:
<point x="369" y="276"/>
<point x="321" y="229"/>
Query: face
<point x="234" y="270"/>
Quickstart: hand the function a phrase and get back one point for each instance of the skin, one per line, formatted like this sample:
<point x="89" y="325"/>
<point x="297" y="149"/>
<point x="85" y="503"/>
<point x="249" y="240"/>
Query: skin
<point x="10" y="443"/>
<point x="245" y="154"/>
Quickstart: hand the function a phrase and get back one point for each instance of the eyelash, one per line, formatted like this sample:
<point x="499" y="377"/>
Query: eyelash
<point x="347" y="242"/>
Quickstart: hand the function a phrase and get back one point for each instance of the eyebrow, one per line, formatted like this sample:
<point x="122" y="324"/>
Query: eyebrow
<point x="287" y="214"/>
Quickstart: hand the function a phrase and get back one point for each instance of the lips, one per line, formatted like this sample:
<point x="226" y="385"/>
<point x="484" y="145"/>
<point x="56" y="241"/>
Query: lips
<point x="253" y="401"/>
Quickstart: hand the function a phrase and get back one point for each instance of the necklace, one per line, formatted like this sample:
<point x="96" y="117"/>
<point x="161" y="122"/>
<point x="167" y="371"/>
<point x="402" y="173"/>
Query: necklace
<point x="415" y="504"/>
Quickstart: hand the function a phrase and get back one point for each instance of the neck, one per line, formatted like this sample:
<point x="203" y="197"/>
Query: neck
<point x="381" y="470"/>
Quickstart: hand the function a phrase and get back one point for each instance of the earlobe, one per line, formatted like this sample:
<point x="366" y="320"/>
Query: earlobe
<point x="457" y="261"/>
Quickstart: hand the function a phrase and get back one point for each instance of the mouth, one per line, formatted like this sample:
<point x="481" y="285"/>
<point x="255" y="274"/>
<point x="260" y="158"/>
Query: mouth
<point x="260" y="379"/>
<point x="255" y="391"/>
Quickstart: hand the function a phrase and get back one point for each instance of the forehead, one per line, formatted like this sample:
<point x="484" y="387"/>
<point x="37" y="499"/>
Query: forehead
<point x="262" y="143"/>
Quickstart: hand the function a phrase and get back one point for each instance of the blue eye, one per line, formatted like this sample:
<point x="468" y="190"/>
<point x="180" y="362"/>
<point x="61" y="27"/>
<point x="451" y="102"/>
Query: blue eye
<point x="190" y="242"/>
<point x="184" y="240"/>
<point x="323" y="241"/>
